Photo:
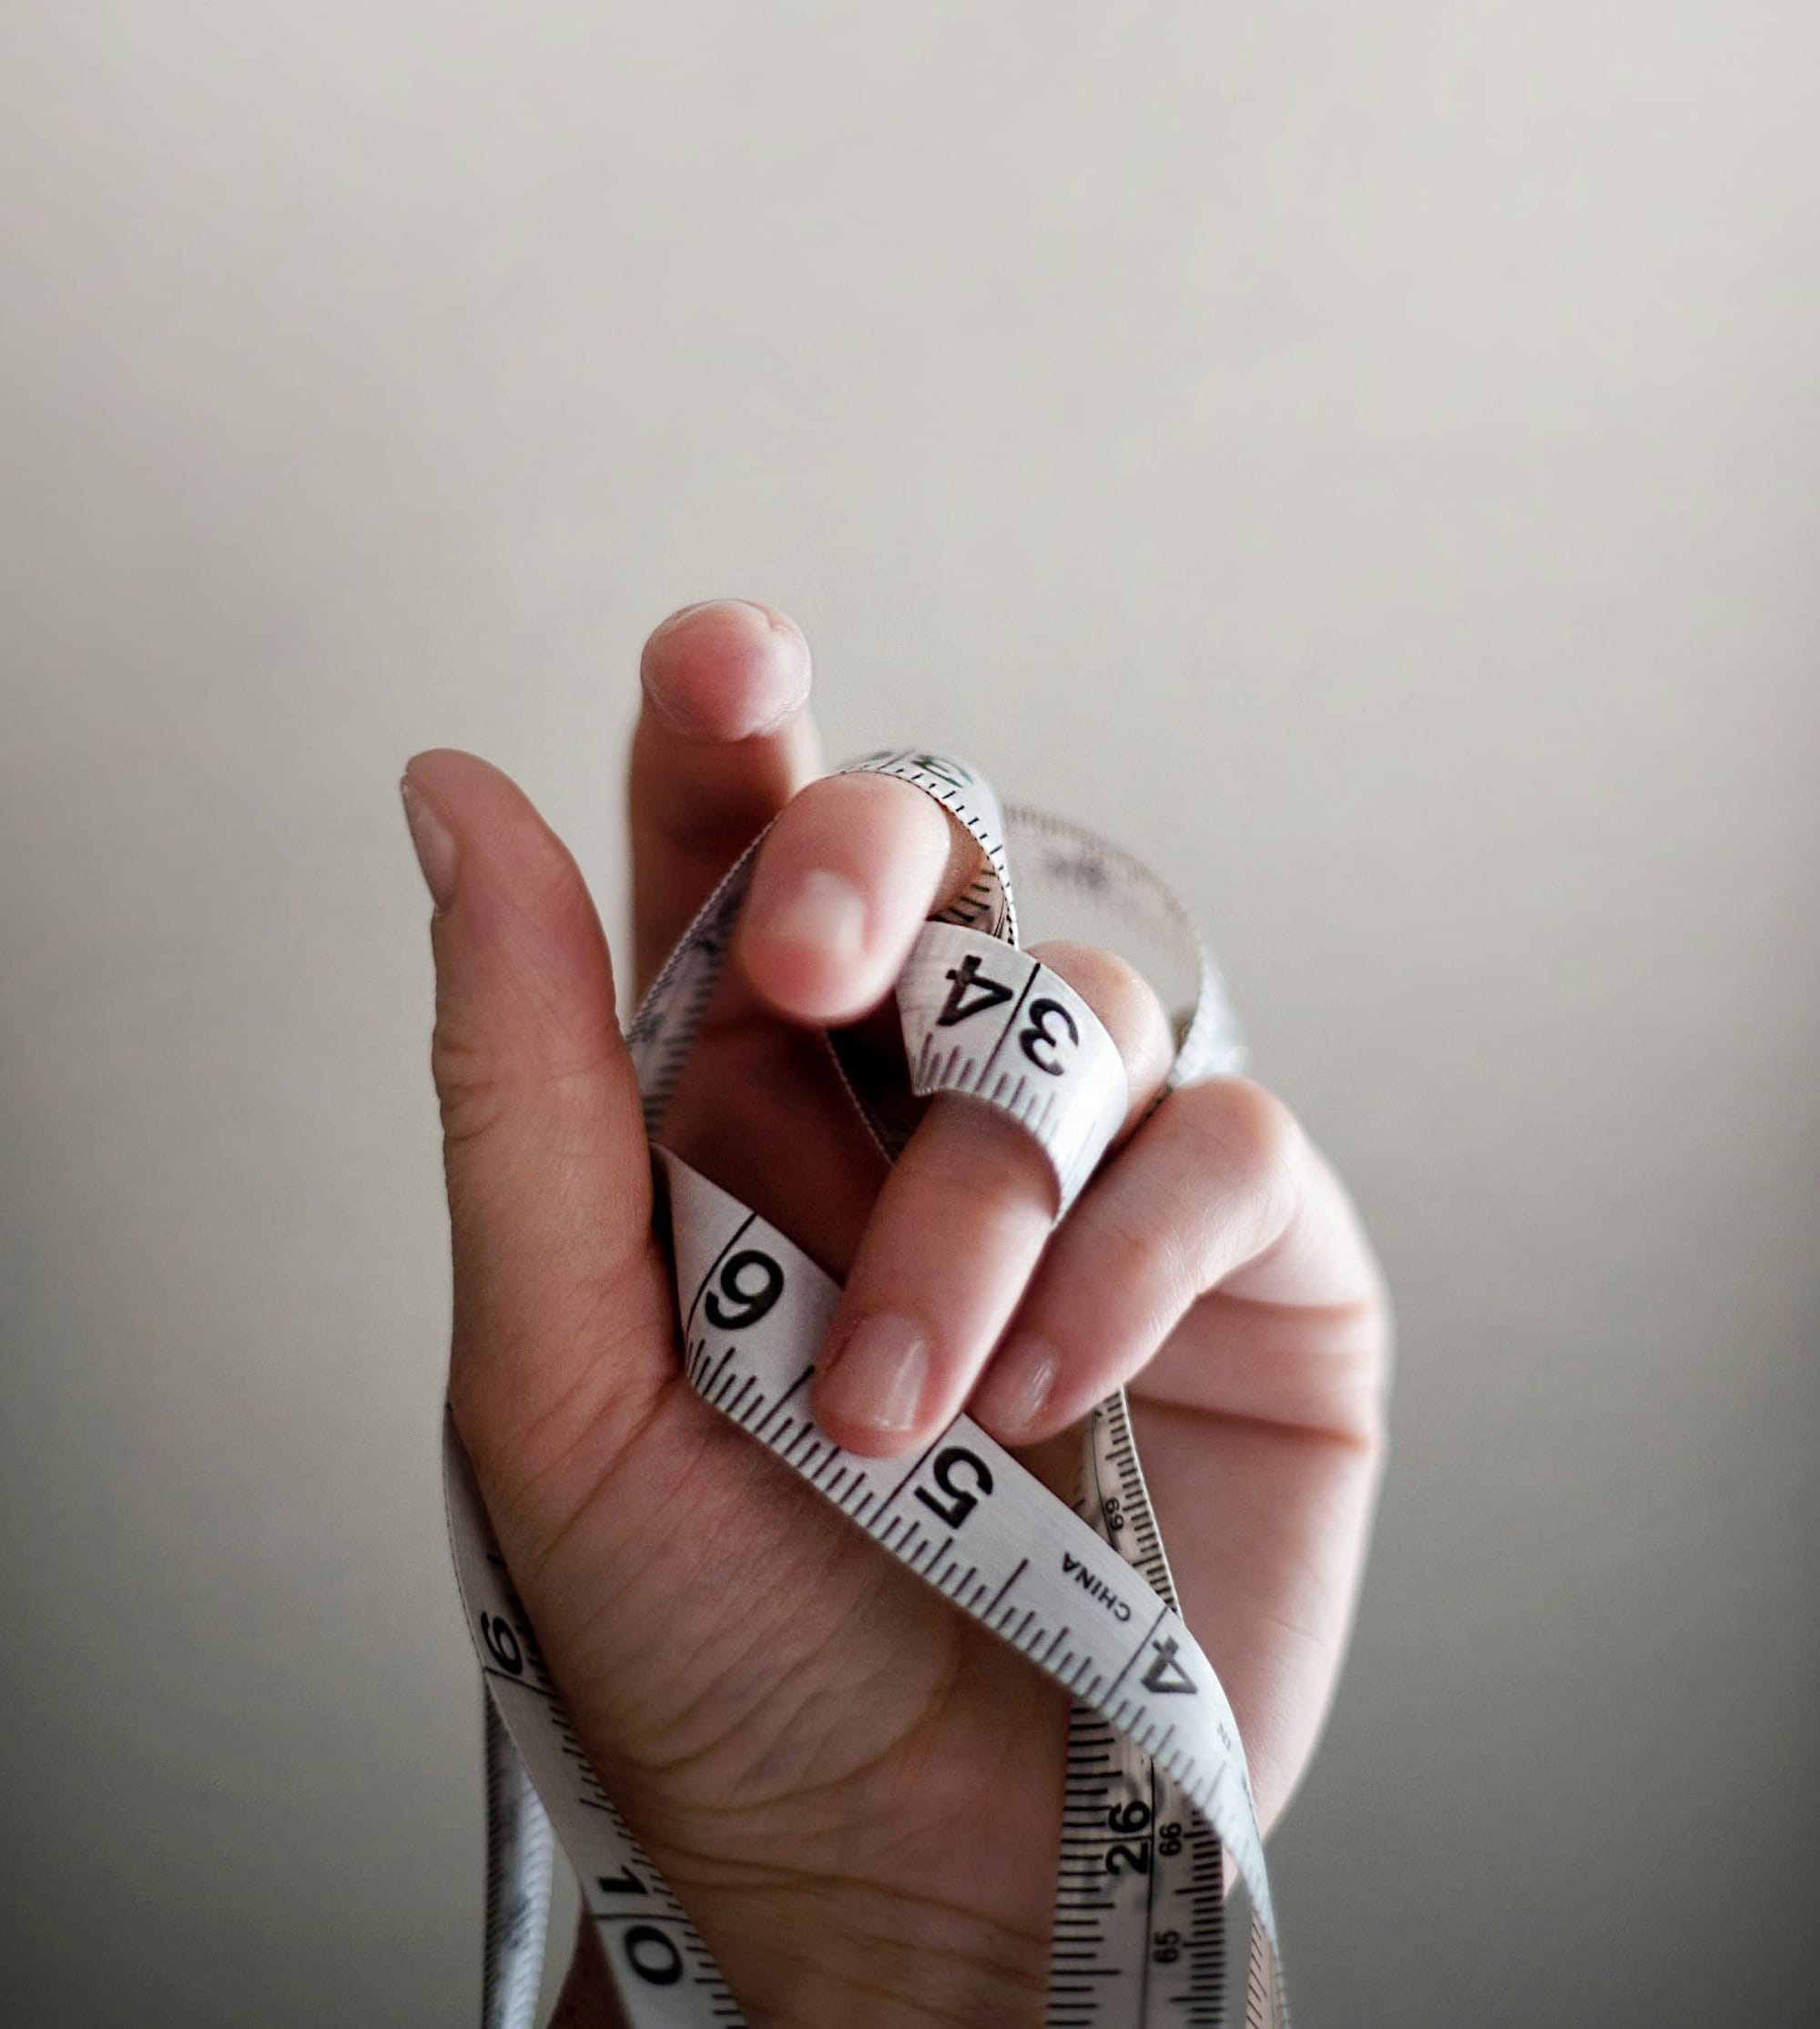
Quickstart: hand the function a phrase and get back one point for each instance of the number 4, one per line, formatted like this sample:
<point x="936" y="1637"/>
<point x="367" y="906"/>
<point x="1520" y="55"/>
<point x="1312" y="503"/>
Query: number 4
<point x="1165" y="1674"/>
<point x="987" y="993"/>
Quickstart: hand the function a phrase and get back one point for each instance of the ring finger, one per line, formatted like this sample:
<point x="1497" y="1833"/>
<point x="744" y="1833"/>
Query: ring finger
<point x="1219" y="1190"/>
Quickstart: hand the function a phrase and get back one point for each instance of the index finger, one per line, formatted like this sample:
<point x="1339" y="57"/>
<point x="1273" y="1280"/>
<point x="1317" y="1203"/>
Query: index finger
<point x="724" y="741"/>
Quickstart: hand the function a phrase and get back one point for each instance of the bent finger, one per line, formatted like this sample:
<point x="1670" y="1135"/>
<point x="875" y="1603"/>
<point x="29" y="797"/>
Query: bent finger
<point x="848" y="877"/>
<point x="961" y="1224"/>
<point x="1219" y="1190"/>
<point x="724" y="741"/>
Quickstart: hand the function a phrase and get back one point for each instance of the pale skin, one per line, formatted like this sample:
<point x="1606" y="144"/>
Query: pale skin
<point x="856" y="1791"/>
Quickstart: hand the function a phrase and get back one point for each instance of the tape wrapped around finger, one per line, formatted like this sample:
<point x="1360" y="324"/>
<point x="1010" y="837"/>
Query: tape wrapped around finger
<point x="989" y="1022"/>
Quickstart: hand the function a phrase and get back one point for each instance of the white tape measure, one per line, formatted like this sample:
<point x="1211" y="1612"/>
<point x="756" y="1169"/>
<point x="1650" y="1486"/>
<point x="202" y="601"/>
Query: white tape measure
<point x="1155" y="1782"/>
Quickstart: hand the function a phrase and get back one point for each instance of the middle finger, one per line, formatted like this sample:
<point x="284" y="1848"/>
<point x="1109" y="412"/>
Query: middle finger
<point x="956" y="1231"/>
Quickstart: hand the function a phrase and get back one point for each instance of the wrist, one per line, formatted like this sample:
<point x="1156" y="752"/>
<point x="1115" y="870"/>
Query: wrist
<point x="851" y="1954"/>
<point x="826" y="1959"/>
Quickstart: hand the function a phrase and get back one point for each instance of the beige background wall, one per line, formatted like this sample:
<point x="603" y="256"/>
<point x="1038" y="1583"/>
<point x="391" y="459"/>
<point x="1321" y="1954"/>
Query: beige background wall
<point x="1364" y="456"/>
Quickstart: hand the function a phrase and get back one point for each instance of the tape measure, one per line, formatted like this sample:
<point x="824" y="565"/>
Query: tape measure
<point x="1157" y="1795"/>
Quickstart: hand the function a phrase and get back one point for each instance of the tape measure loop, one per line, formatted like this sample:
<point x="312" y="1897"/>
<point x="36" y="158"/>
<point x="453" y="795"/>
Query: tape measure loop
<point x="991" y="1023"/>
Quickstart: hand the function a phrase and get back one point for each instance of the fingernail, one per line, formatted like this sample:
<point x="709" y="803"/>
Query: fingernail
<point x="877" y="1376"/>
<point x="1018" y="1384"/>
<point x="437" y="853"/>
<point x="721" y="689"/>
<point x="820" y="909"/>
<point x="688" y="612"/>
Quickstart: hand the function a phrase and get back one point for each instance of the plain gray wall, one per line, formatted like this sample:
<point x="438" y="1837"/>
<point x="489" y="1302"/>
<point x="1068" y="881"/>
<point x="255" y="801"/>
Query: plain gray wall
<point x="1363" y="456"/>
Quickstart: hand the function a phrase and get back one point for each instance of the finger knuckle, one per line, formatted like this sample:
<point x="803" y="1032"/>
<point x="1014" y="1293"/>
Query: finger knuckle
<point x="1134" y="1267"/>
<point x="829" y="815"/>
<point x="484" y="1083"/>
<point x="1111" y="985"/>
<point x="1243" y="1132"/>
<point x="1141" y="1252"/>
<point x="468" y="1090"/>
<point x="1119" y="994"/>
<point x="831" y="802"/>
<point x="978" y="1165"/>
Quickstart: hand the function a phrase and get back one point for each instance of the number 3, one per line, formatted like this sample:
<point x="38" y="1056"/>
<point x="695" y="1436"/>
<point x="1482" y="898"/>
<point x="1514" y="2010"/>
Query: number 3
<point x="1037" y="1037"/>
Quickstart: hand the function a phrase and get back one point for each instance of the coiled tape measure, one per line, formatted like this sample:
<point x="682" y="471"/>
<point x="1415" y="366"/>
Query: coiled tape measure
<point x="1156" y="1785"/>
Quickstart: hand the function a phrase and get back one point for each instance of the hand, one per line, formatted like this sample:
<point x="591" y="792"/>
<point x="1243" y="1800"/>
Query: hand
<point x="854" y="1788"/>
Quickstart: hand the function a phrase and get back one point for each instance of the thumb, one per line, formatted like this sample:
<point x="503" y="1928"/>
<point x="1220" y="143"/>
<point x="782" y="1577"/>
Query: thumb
<point x="562" y="1339"/>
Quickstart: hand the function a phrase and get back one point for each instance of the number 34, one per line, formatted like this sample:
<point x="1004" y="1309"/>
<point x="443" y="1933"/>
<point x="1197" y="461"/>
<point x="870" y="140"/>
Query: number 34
<point x="1048" y="1025"/>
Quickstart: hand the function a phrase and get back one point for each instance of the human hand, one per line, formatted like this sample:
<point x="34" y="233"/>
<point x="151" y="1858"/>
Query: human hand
<point x="855" y="1790"/>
